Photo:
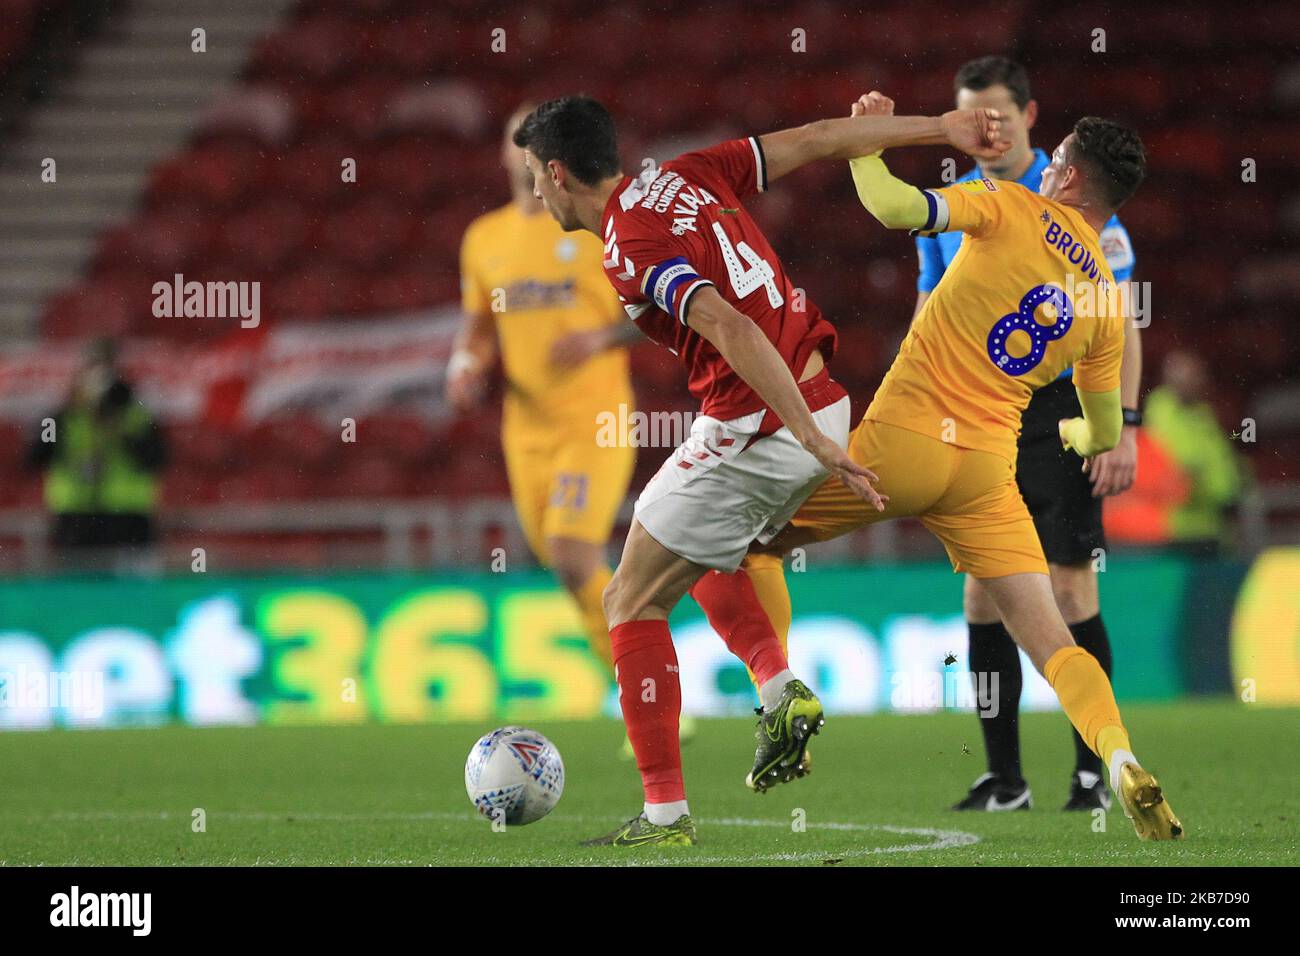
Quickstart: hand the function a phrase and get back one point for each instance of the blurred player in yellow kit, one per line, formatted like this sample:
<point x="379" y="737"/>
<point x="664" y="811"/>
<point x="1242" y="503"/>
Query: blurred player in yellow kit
<point x="538" y="296"/>
<point x="1028" y="295"/>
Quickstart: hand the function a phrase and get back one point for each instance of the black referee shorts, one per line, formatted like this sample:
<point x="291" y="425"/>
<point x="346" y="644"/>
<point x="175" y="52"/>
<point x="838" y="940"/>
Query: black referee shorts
<point x="1052" y="480"/>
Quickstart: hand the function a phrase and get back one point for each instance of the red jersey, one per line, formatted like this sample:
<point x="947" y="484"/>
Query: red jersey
<point x="674" y="230"/>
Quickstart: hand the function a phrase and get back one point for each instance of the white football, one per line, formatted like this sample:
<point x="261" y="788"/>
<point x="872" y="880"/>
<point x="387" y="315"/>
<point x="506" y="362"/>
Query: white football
<point x="514" y="775"/>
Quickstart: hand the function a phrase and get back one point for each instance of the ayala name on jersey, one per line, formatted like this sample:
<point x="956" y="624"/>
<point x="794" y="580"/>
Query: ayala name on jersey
<point x="675" y="230"/>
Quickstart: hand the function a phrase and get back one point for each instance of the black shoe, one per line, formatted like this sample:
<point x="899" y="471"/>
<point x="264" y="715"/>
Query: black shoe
<point x="1087" y="792"/>
<point x="994" y="794"/>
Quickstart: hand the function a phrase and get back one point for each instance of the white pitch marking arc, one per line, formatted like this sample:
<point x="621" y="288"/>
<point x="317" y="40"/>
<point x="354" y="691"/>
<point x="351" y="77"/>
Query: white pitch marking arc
<point x="940" y="840"/>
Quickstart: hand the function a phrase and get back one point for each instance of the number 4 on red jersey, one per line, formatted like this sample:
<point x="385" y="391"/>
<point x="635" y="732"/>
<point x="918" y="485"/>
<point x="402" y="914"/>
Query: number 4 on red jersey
<point x="680" y="228"/>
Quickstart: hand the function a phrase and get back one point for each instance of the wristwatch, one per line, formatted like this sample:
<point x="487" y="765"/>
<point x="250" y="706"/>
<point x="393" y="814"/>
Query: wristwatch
<point x="1132" y="416"/>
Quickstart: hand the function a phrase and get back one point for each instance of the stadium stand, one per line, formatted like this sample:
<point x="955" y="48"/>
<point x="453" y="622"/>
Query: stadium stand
<point x="245" y="184"/>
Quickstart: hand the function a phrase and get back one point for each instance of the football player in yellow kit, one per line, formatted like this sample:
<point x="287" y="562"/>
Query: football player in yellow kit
<point x="1028" y="295"/>
<point x="538" y="297"/>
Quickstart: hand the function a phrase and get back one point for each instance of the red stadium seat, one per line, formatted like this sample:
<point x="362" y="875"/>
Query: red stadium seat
<point x="1196" y="150"/>
<point x="315" y="291"/>
<point x="265" y="237"/>
<point x="364" y="233"/>
<point x="358" y="108"/>
<point x="310" y="172"/>
<point x="410" y="288"/>
<point x="410" y="45"/>
<point x="217" y="173"/>
<point x="112" y="305"/>
<point x="160" y="243"/>
<point x="405" y="170"/>
<point x="262" y="114"/>
<point x="319" y="48"/>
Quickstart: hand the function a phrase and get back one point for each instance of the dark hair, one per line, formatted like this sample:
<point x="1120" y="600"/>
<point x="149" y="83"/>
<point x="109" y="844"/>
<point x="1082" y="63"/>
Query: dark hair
<point x="989" y="71"/>
<point x="1114" y="156"/>
<point x="577" y="131"/>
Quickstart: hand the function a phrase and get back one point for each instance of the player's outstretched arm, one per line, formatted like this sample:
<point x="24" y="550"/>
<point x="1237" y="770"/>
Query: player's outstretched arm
<point x="894" y="203"/>
<point x="977" y="132"/>
<point x="743" y="346"/>
<point x="1099" y="428"/>
<point x="473" y="352"/>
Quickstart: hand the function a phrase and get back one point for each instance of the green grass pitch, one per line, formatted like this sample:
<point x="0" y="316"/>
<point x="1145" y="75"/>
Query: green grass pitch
<point x="878" y="796"/>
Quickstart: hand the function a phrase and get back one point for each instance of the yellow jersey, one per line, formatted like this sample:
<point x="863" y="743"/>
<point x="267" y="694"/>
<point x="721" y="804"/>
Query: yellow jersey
<point x="539" y="283"/>
<point x="1027" y="296"/>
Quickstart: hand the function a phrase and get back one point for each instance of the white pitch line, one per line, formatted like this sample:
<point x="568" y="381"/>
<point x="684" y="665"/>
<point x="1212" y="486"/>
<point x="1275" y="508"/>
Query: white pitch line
<point x="938" y="839"/>
<point x="282" y="815"/>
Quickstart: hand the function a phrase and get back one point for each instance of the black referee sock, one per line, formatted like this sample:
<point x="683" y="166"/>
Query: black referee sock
<point x="1091" y="636"/>
<point x="992" y="651"/>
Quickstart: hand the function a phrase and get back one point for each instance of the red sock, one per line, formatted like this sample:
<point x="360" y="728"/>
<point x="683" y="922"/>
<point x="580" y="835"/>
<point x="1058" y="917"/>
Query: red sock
<point x="732" y="607"/>
<point x="650" y="693"/>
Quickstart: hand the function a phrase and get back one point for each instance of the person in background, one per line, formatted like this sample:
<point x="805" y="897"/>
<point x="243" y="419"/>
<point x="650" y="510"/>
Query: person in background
<point x="537" y="298"/>
<point x="101" y="453"/>
<point x="1179" y="417"/>
<point x="1141" y="517"/>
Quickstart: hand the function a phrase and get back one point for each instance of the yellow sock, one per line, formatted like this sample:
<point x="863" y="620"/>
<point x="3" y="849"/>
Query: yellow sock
<point x="590" y="598"/>
<point x="1088" y="700"/>
<point x="767" y="572"/>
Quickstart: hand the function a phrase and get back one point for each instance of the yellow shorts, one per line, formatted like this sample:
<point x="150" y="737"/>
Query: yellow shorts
<point x="564" y="485"/>
<point x="968" y="499"/>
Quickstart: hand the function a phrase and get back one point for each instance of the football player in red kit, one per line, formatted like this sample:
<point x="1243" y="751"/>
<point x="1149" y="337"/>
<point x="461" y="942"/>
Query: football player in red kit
<point x="696" y="274"/>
